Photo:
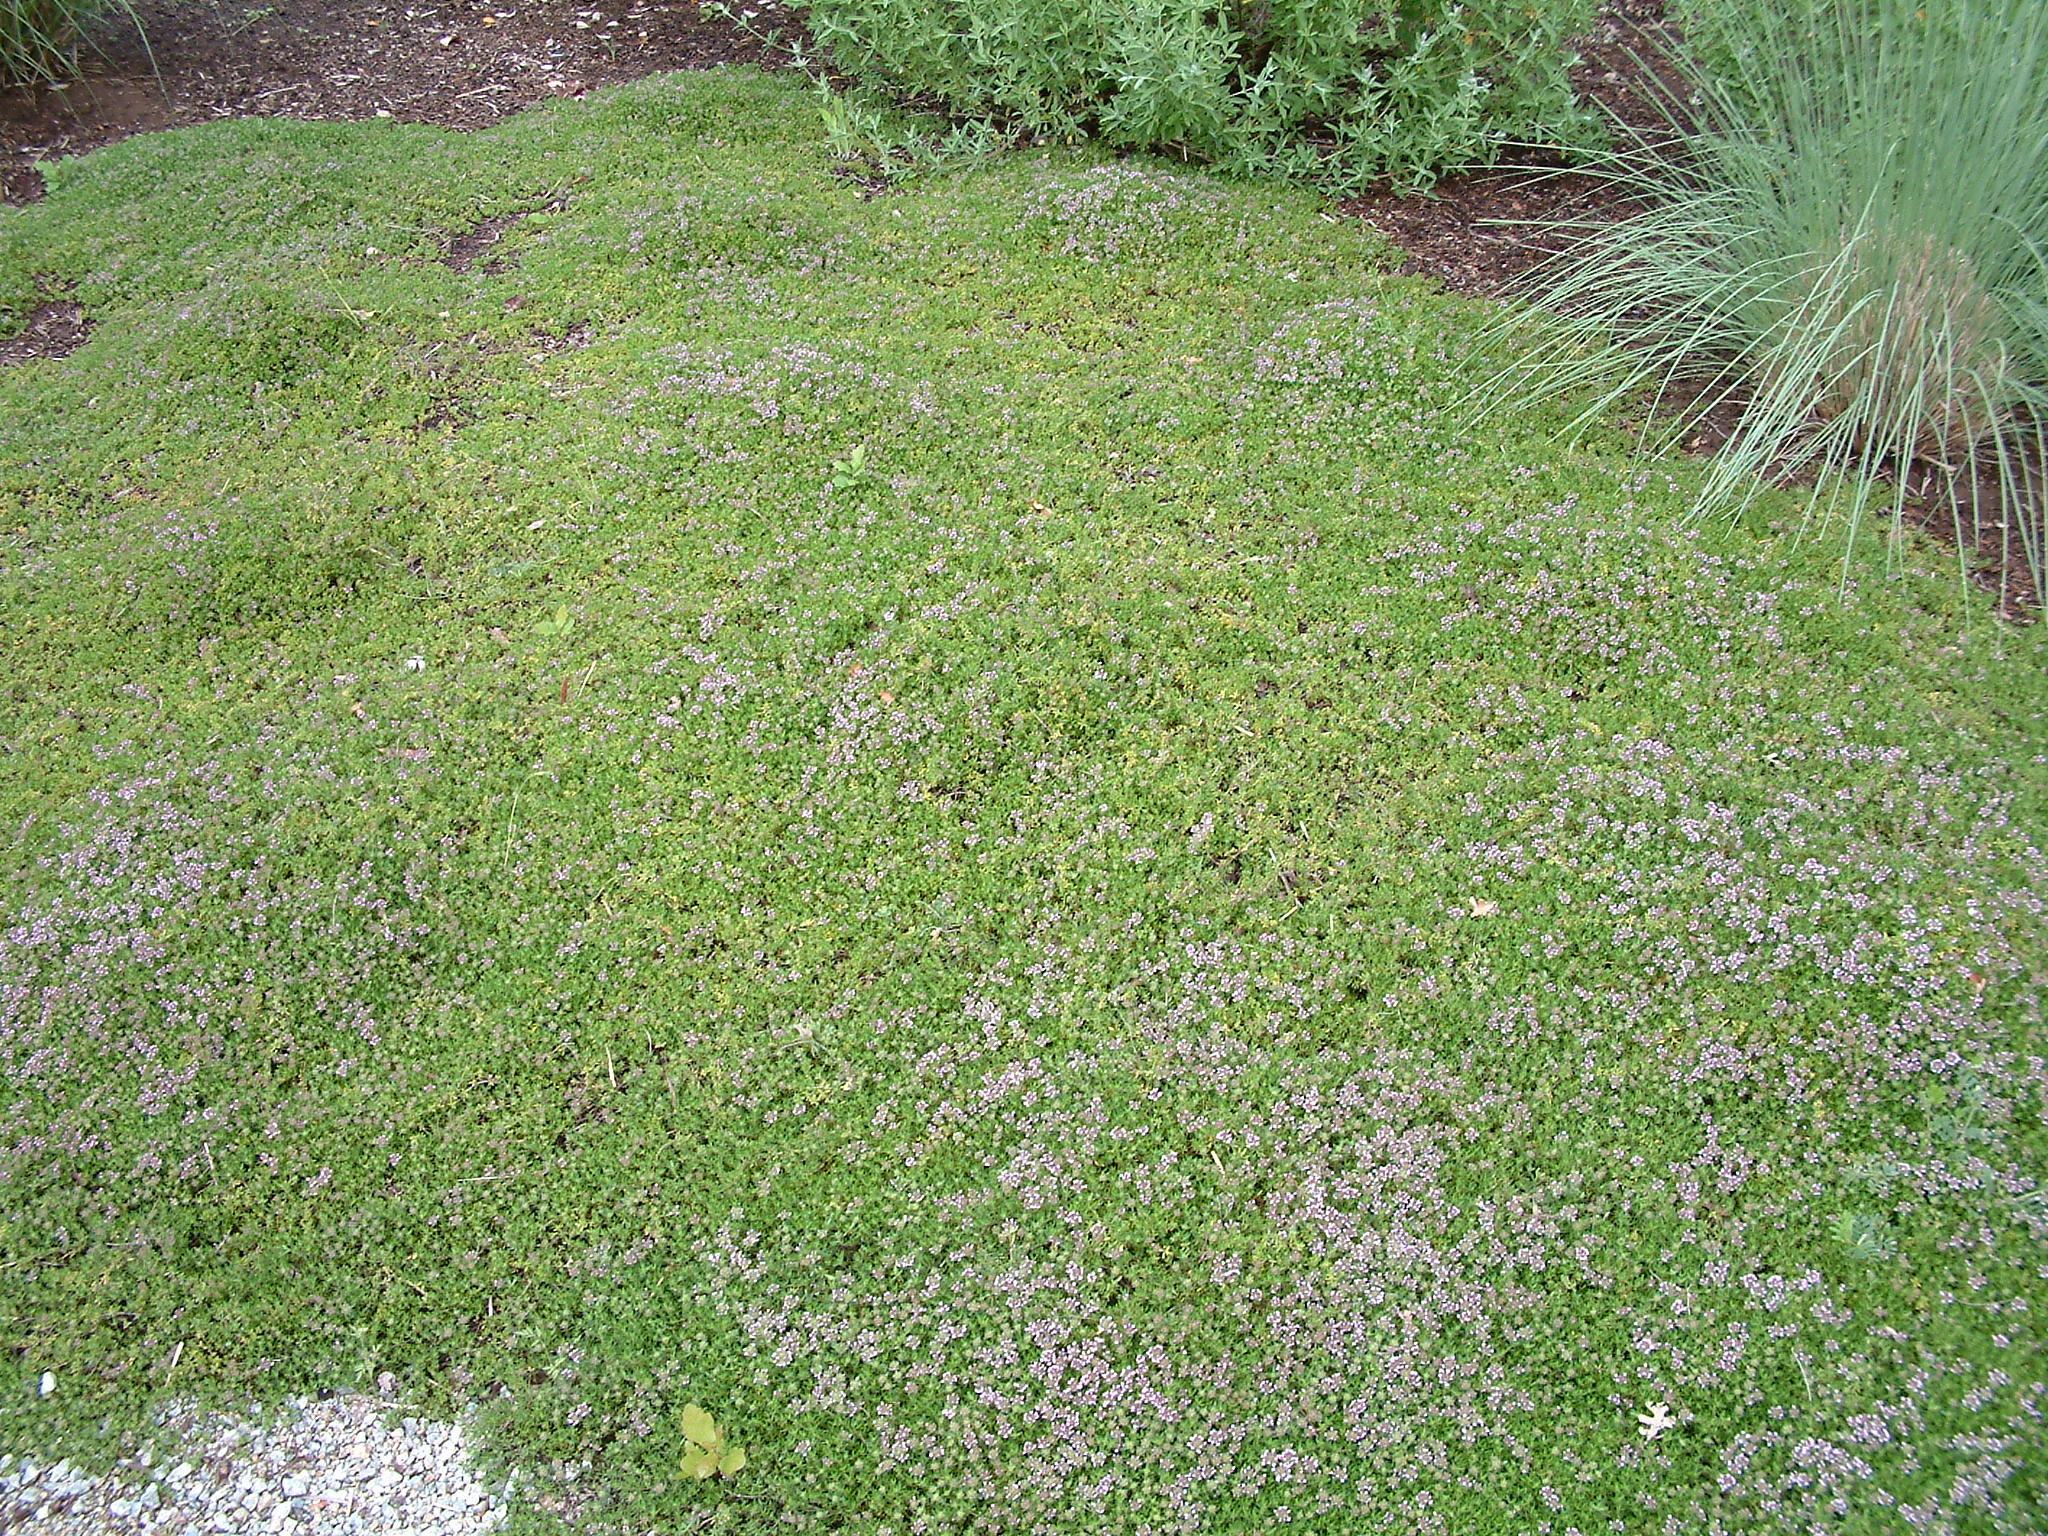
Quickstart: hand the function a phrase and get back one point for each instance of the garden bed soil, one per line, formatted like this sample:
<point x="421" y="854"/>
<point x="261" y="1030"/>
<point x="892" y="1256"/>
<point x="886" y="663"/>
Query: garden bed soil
<point x="1483" y="232"/>
<point x="455" y="63"/>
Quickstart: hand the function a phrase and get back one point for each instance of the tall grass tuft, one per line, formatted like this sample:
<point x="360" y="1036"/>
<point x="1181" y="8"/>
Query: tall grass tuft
<point x="39" y="39"/>
<point x="1844" y="241"/>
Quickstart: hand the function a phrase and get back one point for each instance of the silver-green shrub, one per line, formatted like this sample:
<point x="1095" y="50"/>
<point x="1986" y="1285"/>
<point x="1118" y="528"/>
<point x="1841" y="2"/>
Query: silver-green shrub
<point x="1347" y="92"/>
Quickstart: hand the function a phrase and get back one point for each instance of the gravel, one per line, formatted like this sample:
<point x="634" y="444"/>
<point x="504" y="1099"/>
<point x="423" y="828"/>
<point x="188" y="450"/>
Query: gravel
<point x="324" y="1467"/>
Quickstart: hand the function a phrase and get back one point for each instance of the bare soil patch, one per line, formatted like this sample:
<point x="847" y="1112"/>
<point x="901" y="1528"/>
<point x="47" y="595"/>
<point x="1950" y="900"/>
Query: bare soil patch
<point x="1481" y="232"/>
<point x="55" y="329"/>
<point x="470" y="247"/>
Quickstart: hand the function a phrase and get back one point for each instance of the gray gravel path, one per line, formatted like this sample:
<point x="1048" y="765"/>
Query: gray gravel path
<point x="325" y="1467"/>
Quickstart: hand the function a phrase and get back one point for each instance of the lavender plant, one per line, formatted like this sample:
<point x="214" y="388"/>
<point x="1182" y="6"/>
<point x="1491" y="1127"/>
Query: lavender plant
<point x="1338" y="91"/>
<point x="1206" y="951"/>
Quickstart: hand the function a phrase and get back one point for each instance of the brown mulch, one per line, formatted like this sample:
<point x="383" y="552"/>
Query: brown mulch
<point x="1481" y="231"/>
<point x="456" y="64"/>
<point x="1969" y="512"/>
<point x="1484" y="231"/>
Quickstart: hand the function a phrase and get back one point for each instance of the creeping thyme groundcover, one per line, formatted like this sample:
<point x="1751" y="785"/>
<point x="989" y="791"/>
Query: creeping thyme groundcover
<point x="969" y="830"/>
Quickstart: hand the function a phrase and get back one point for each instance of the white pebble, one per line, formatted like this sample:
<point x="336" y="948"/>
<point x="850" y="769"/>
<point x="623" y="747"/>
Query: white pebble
<point x="324" y="1468"/>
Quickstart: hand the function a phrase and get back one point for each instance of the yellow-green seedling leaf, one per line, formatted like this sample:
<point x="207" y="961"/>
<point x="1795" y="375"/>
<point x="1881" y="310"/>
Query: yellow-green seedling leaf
<point x="706" y="1454"/>
<point x="699" y="1428"/>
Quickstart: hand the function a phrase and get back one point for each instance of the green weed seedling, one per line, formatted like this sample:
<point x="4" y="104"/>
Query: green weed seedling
<point x="1863" y="1236"/>
<point x="1957" y="1116"/>
<point x="706" y="1451"/>
<point x="557" y="627"/>
<point x="851" y="473"/>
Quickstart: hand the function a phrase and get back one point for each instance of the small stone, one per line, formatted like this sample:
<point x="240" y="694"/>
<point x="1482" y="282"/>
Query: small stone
<point x="48" y="1384"/>
<point x="152" y="1496"/>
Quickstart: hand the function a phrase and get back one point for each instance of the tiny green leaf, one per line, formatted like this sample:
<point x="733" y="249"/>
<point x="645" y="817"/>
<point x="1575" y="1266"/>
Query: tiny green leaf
<point x="733" y="1462"/>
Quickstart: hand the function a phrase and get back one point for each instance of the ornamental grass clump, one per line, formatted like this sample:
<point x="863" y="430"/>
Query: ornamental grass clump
<point x="1842" y="241"/>
<point x="39" y="39"/>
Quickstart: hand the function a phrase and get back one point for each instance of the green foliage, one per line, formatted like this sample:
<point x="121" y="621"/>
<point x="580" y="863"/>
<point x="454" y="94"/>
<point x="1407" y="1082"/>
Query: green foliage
<point x="1863" y="1236"/>
<point x="1344" y="92"/>
<point x="850" y="473"/>
<point x="1847" y="241"/>
<point x="897" y="146"/>
<point x="1119" y="922"/>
